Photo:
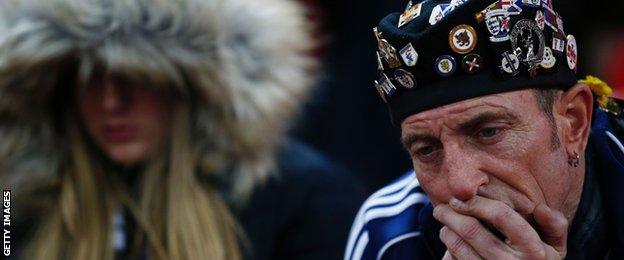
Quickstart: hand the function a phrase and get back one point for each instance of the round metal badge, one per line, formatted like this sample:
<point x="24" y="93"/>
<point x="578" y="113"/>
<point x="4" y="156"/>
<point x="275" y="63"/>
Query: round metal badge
<point x="572" y="52"/>
<point x="405" y="78"/>
<point x="445" y="65"/>
<point x="549" y="59"/>
<point x="510" y="63"/>
<point x="463" y="39"/>
<point x="472" y="63"/>
<point x="527" y="43"/>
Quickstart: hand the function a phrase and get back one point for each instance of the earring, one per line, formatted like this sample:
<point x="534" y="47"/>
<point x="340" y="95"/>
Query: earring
<point x="574" y="160"/>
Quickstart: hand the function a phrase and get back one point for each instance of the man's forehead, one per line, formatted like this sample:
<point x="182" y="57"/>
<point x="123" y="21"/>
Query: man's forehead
<point x="501" y="102"/>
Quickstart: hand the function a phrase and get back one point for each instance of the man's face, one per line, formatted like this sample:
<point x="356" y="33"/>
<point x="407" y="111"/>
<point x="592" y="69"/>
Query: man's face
<point x="497" y="146"/>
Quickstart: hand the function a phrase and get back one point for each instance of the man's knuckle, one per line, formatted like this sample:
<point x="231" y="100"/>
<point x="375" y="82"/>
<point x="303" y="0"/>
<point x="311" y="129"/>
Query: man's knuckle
<point x="471" y="230"/>
<point x="503" y="216"/>
<point x="457" y="246"/>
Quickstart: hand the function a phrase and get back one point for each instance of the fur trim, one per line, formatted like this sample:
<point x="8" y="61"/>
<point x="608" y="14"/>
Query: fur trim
<point x="246" y="64"/>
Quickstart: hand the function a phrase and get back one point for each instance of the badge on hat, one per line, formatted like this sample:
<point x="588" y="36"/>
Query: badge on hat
<point x="510" y="63"/>
<point x="558" y="43"/>
<point x="527" y="42"/>
<point x="385" y="87"/>
<point x="539" y="18"/>
<point x="549" y="60"/>
<point x="387" y="51"/>
<point x="379" y="63"/>
<point x="405" y="78"/>
<point x="463" y="39"/>
<point x="572" y="53"/>
<point x="409" y="55"/>
<point x="497" y="23"/>
<point x="411" y="12"/>
<point x="472" y="63"/>
<point x="445" y="65"/>
<point x="380" y="91"/>
<point x="560" y="24"/>
<point x="457" y="3"/>
<point x="550" y="17"/>
<point x="438" y="13"/>
<point x="530" y="3"/>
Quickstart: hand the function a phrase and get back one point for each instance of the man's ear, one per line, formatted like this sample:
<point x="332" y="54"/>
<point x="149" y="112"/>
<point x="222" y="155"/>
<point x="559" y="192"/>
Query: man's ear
<point x="576" y="108"/>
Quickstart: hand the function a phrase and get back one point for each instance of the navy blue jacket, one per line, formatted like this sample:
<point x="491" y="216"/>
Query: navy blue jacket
<point x="397" y="222"/>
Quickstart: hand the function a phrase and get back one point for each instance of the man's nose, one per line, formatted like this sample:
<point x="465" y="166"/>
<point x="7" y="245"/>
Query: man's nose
<point x="462" y="170"/>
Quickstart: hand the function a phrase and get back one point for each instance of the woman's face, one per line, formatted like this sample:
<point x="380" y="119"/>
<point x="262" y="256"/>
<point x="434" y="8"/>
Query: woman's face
<point x="128" y="122"/>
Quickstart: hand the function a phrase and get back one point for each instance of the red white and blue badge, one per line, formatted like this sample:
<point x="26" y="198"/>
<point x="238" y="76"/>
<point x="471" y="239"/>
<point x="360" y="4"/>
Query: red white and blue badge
<point x="513" y="9"/>
<point x="497" y="23"/>
<point x="539" y="18"/>
<point x="560" y="24"/>
<point x="550" y="16"/>
<point x="438" y="13"/>
<point x="445" y="65"/>
<point x="530" y="3"/>
<point x="472" y="63"/>
<point x="549" y="60"/>
<point x="463" y="38"/>
<point x="510" y="63"/>
<point x="572" y="53"/>
<point x="411" y="12"/>
<point x="405" y="78"/>
<point x="409" y="55"/>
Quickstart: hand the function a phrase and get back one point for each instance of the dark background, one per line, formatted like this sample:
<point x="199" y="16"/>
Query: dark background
<point x="347" y="120"/>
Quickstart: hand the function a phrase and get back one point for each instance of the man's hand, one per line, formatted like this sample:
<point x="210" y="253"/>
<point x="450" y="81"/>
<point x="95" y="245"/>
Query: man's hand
<point x="467" y="238"/>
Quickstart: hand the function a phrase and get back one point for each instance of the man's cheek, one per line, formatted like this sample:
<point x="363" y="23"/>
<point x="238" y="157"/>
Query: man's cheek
<point x="436" y="191"/>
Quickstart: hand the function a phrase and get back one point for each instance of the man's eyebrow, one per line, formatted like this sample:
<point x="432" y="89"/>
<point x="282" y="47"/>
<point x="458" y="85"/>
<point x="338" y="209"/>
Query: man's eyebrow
<point x="480" y="119"/>
<point x="412" y="138"/>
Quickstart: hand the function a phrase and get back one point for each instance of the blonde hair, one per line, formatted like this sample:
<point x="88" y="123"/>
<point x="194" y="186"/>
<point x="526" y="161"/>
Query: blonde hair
<point x="182" y="217"/>
<point x="239" y="70"/>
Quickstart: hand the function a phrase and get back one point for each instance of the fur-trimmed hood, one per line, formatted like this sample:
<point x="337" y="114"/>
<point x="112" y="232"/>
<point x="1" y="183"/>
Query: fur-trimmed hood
<point x="247" y="64"/>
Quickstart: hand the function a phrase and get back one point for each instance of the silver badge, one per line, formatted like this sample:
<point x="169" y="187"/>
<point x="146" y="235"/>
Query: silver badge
<point x="386" y="86"/>
<point x="380" y="91"/>
<point x="527" y="42"/>
<point x="379" y="63"/>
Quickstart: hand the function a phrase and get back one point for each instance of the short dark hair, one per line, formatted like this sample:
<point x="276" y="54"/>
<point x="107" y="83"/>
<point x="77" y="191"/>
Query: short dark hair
<point x="545" y="98"/>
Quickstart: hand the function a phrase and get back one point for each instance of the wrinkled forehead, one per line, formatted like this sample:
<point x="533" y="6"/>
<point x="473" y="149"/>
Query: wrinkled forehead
<point x="518" y="103"/>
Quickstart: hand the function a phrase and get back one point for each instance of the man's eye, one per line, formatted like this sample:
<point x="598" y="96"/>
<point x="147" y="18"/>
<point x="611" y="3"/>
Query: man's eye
<point x="425" y="151"/>
<point x="488" y="132"/>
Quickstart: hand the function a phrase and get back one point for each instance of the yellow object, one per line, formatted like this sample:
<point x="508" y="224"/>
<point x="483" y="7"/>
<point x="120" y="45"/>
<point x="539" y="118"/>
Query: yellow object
<point x="600" y="88"/>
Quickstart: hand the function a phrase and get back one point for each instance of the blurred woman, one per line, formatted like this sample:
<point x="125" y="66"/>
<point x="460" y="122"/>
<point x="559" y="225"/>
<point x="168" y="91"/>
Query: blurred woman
<point x="155" y="128"/>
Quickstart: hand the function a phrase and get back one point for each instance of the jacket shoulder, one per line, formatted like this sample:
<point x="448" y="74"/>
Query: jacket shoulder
<point x="388" y="221"/>
<point x="607" y="134"/>
<point x="305" y="210"/>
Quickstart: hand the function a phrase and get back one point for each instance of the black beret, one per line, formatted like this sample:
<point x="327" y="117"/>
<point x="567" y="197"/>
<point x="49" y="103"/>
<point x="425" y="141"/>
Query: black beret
<point x="443" y="51"/>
